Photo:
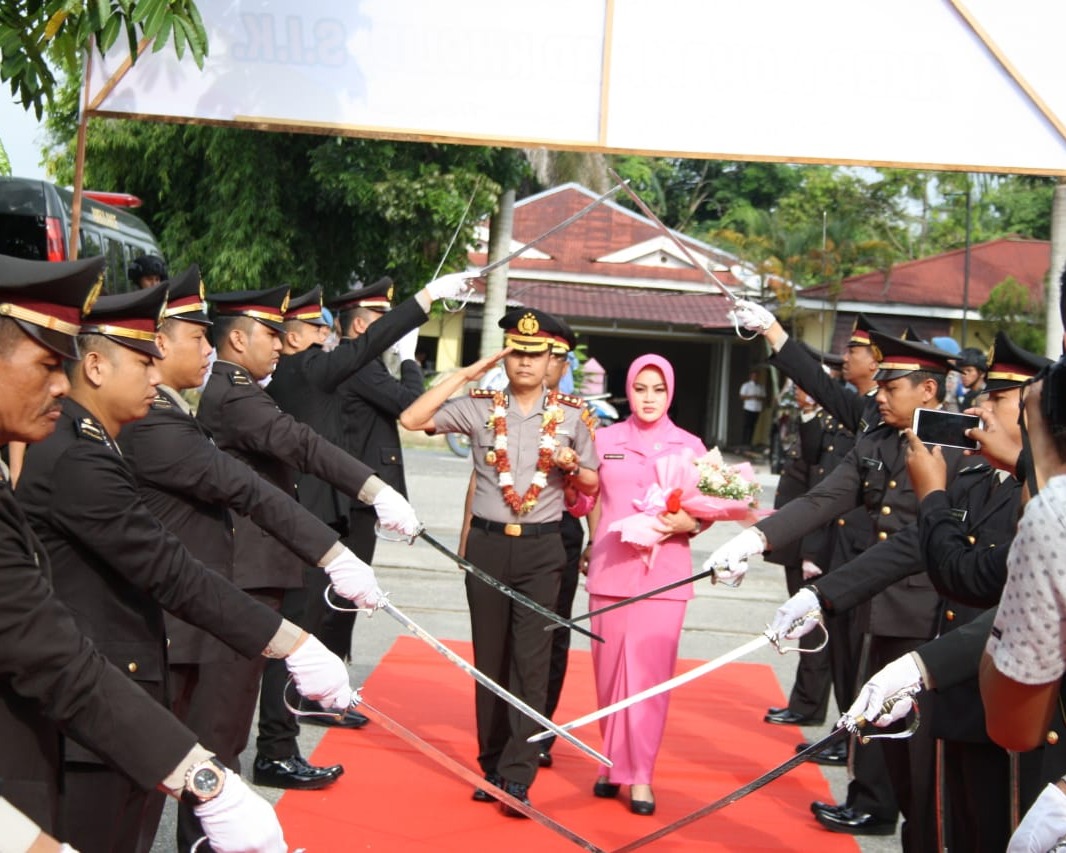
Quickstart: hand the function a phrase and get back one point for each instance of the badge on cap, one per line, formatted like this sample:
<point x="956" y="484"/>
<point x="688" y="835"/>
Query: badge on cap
<point x="528" y="325"/>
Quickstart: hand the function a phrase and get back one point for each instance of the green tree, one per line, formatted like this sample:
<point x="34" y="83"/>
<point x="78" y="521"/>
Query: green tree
<point x="5" y="163"/>
<point x="36" y="35"/>
<point x="1011" y="309"/>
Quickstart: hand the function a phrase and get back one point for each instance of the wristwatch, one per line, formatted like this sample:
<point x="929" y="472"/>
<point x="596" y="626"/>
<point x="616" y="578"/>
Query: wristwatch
<point x="203" y="782"/>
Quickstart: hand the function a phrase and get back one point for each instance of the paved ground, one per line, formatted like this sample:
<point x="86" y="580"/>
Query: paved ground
<point x="429" y="589"/>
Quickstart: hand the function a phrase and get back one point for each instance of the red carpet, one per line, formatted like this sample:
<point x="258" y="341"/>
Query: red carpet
<point x="393" y="798"/>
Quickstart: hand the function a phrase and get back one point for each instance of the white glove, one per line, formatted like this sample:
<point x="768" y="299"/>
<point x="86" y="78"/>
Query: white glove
<point x="751" y="316"/>
<point x="900" y="674"/>
<point x="793" y="613"/>
<point x="451" y="286"/>
<point x="1043" y="825"/>
<point x="730" y="561"/>
<point x="405" y="347"/>
<point x="66" y="848"/>
<point x="353" y="579"/>
<point x="811" y="570"/>
<point x="394" y="513"/>
<point x="238" y="820"/>
<point x="320" y="675"/>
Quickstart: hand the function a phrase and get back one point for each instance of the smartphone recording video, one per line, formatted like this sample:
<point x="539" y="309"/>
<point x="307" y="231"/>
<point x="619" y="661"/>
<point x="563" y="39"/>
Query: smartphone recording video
<point x="948" y="429"/>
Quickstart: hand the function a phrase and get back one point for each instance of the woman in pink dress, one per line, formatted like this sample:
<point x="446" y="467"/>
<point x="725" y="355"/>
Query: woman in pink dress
<point x="641" y="638"/>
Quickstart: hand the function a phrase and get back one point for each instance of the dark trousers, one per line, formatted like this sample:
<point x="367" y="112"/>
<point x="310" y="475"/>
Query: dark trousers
<point x="278" y="728"/>
<point x="810" y="689"/>
<point x="103" y="811"/>
<point x="510" y="644"/>
<point x="911" y="762"/>
<point x="217" y="701"/>
<point x="573" y="538"/>
<point x="750" y="420"/>
<point x="332" y="627"/>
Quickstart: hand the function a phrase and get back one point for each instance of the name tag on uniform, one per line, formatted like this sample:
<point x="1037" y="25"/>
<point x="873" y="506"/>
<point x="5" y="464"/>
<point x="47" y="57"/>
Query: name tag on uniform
<point x="871" y="464"/>
<point x="959" y="515"/>
<point x="614" y="456"/>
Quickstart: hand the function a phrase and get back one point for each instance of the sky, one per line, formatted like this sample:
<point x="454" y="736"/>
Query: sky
<point x="22" y="138"/>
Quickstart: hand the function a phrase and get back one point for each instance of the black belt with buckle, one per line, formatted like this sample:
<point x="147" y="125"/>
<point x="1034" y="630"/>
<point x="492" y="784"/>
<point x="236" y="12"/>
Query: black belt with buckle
<point x="541" y="529"/>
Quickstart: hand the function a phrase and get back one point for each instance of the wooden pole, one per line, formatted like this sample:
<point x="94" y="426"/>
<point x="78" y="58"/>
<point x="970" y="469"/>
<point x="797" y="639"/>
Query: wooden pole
<point x="79" y="157"/>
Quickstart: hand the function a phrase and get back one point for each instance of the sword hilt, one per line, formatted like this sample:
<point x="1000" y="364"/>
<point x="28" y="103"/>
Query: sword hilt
<point x="854" y="724"/>
<point x="815" y="615"/>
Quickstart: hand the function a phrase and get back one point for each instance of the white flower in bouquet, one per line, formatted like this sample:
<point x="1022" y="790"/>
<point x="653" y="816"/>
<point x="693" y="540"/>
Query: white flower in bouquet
<point x="721" y="480"/>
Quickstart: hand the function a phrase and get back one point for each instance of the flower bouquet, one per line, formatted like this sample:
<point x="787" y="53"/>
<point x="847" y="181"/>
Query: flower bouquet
<point x="705" y="487"/>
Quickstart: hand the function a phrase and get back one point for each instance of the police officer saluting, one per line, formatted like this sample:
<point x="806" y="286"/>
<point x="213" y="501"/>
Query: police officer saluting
<point x="525" y="445"/>
<point x="53" y="681"/>
<point x="118" y="568"/>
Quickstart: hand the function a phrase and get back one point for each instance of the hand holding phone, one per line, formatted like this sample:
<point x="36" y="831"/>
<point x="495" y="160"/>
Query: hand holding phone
<point x="948" y="429"/>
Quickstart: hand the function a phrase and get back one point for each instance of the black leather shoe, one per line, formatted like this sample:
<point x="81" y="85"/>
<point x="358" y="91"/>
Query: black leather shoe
<point x="834" y="755"/>
<point x="785" y="717"/>
<point x="818" y="806"/>
<point x="642" y="807"/>
<point x="351" y="719"/>
<point x="519" y="792"/>
<point x="544" y="758"/>
<point x="775" y="710"/>
<point x="605" y="790"/>
<point x="480" y="796"/>
<point x="855" y="823"/>
<point x="293" y="773"/>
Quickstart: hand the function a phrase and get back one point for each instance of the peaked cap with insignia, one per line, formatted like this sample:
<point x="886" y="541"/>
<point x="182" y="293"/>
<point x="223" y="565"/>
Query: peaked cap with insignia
<point x="530" y="330"/>
<point x="897" y="357"/>
<point x="308" y="308"/>
<point x="130" y="319"/>
<point x="47" y="299"/>
<point x="564" y="339"/>
<point x="266" y="306"/>
<point x="1010" y="366"/>
<point x="186" y="299"/>
<point x="375" y="297"/>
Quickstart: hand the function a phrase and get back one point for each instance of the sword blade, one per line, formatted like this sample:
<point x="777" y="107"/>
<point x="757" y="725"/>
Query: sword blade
<point x="663" y="687"/>
<point x="627" y="601"/>
<point x="739" y="793"/>
<point x="487" y="682"/>
<point x="566" y="223"/>
<point x="448" y="763"/>
<point x="499" y="586"/>
<point x="647" y="211"/>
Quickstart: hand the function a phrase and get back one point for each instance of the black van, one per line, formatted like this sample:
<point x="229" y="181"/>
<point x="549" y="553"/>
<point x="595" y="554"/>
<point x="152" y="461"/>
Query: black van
<point x="35" y="224"/>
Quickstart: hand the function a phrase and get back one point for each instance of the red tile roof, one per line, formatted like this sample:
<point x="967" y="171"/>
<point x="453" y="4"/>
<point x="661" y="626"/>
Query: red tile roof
<point x="938" y="280"/>
<point x="563" y="284"/>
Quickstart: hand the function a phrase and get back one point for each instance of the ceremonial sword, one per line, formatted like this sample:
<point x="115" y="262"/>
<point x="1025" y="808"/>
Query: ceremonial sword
<point x="850" y="726"/>
<point x="764" y="639"/>
<point x="555" y="228"/>
<point x="632" y="599"/>
<point x="483" y="679"/>
<point x="647" y="211"/>
<point x="499" y="586"/>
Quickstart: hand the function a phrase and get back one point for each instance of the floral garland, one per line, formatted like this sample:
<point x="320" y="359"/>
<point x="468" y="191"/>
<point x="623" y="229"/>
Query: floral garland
<point x="498" y="458"/>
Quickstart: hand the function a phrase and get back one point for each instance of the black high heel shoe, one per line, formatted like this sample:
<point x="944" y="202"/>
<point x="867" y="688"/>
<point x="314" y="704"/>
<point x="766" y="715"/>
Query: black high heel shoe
<point x="605" y="790"/>
<point x="642" y="807"/>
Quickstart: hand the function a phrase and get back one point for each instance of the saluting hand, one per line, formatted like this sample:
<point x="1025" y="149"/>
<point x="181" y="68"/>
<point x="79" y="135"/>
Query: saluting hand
<point x="927" y="469"/>
<point x="473" y="372"/>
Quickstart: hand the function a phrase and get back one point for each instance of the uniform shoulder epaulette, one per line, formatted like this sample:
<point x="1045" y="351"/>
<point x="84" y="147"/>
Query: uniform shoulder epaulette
<point x="90" y="429"/>
<point x="572" y="401"/>
<point x="238" y="377"/>
<point x="480" y="393"/>
<point x="161" y="401"/>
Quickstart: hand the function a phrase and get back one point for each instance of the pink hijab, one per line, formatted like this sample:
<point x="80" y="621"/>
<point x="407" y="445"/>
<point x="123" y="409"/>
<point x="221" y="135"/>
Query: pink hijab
<point x="645" y="434"/>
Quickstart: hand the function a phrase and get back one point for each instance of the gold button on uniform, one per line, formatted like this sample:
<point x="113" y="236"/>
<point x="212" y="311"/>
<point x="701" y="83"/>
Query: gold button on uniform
<point x="830" y="447"/>
<point x="882" y="536"/>
<point x="971" y="539"/>
<point x="132" y="666"/>
<point x="949" y="615"/>
<point x="886" y="510"/>
<point x="840" y="522"/>
<point x="892" y="484"/>
<point x="1052" y="737"/>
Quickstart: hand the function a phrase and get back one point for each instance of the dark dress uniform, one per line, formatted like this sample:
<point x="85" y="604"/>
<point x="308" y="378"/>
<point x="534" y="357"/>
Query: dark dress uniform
<point x="117" y="568"/>
<point x="194" y="489"/>
<point x="56" y="687"/>
<point x="523" y="551"/>
<point x="902" y="616"/>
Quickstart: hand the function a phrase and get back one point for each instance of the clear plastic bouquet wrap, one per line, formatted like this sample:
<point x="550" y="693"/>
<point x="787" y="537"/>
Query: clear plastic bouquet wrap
<point x="705" y="487"/>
